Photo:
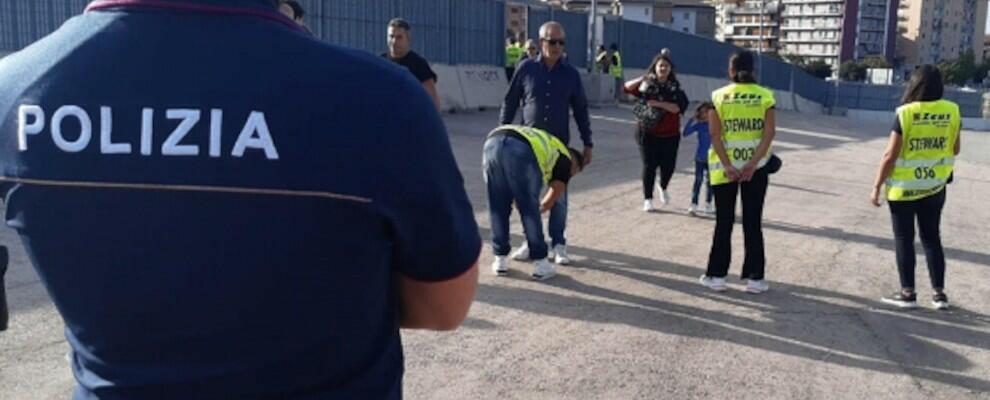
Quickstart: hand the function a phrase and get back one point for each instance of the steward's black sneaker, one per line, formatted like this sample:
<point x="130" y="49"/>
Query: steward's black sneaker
<point x="900" y="300"/>
<point x="940" y="301"/>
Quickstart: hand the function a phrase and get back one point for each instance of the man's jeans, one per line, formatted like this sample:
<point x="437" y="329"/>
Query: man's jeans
<point x="512" y="175"/>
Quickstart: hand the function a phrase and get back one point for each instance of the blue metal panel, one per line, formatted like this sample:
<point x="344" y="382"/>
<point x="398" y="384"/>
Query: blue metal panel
<point x="536" y="16"/>
<point x="611" y="32"/>
<point x="576" y="26"/>
<point x="477" y="29"/>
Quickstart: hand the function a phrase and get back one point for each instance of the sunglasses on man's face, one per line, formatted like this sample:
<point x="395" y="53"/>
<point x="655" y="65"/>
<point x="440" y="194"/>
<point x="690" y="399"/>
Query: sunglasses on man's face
<point x="554" y="42"/>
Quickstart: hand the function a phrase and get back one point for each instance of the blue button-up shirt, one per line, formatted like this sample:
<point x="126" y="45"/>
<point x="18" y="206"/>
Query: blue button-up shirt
<point x="548" y="95"/>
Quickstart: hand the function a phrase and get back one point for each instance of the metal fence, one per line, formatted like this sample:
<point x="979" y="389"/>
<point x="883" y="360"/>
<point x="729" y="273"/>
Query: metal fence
<point x="24" y="21"/>
<point x="472" y="32"/>
<point x="575" y="26"/>
<point x="862" y="96"/>
<point x="444" y="31"/>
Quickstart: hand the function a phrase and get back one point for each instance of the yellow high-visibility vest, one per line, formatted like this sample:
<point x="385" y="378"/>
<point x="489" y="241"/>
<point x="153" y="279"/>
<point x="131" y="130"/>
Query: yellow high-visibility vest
<point x="929" y="133"/>
<point x="512" y="54"/>
<point x="546" y="147"/>
<point x="742" y="108"/>
<point x="616" y="68"/>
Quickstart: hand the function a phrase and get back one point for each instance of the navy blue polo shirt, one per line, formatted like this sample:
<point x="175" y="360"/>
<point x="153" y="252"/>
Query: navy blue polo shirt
<point x="218" y="205"/>
<point x="548" y="96"/>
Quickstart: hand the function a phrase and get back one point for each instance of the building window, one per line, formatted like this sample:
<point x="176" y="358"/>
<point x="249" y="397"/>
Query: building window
<point x="687" y="16"/>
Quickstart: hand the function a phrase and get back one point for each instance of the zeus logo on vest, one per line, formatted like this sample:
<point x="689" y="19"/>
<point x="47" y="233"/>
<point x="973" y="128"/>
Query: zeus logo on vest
<point x="931" y="117"/>
<point x="31" y="120"/>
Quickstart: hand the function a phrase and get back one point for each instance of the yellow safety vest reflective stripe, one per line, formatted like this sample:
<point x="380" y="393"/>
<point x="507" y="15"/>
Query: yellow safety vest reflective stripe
<point x="546" y="147"/>
<point x="616" y="69"/>
<point x="742" y="108"/>
<point x="929" y="133"/>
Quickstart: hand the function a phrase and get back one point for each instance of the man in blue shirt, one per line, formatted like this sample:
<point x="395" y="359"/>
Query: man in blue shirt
<point x="549" y="88"/>
<point x="218" y="210"/>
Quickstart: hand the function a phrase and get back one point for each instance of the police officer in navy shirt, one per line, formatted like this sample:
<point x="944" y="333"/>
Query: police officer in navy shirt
<point x="200" y="186"/>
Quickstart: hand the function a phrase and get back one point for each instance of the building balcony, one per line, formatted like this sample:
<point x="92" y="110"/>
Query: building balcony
<point x="809" y="40"/>
<point x="753" y="24"/>
<point x="750" y="37"/>
<point x="792" y="14"/>
<point x="809" y="27"/>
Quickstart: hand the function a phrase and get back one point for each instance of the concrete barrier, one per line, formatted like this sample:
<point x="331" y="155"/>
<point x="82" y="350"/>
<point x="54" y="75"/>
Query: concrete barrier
<point x="598" y="88"/>
<point x="472" y="87"/>
<point x="785" y="100"/>
<point x="484" y="86"/>
<point x="972" y="124"/>
<point x="449" y="88"/>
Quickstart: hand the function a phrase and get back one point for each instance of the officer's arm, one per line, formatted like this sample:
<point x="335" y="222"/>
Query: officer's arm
<point x="431" y="87"/>
<point x="557" y="189"/>
<point x="512" y="97"/>
<point x="439" y="306"/>
<point x="888" y="159"/>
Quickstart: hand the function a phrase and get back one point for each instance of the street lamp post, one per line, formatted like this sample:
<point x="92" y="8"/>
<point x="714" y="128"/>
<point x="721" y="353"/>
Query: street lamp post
<point x="593" y="36"/>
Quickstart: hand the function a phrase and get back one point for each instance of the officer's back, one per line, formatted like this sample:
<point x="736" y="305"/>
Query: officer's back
<point x="218" y="203"/>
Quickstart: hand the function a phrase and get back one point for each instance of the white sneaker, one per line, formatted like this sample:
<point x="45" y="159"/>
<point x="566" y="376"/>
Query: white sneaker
<point x="693" y="209"/>
<point x="522" y="253"/>
<point x="713" y="283"/>
<point x="500" y="266"/>
<point x="757" y="286"/>
<point x="648" y="205"/>
<point x="709" y="208"/>
<point x="543" y="270"/>
<point x="664" y="197"/>
<point x="560" y="255"/>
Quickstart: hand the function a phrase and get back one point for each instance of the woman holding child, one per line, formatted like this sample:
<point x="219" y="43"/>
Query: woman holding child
<point x="660" y="103"/>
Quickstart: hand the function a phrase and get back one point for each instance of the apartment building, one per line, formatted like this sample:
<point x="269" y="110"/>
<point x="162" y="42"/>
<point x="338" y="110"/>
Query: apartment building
<point x="751" y="24"/>
<point x="834" y="31"/>
<point x="693" y="16"/>
<point x="932" y="31"/>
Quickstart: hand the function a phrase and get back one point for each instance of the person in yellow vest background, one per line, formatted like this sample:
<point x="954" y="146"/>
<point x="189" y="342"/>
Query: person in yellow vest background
<point x="603" y="61"/>
<point x="742" y="127"/>
<point x="518" y="161"/>
<point x="916" y="167"/>
<point x="513" y="52"/>
<point x="616" y="70"/>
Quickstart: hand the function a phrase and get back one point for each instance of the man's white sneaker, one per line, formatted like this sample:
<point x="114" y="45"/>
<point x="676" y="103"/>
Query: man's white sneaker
<point x="713" y="283"/>
<point x="693" y="209"/>
<point x="757" y="286"/>
<point x="500" y="266"/>
<point x="522" y="253"/>
<point x="648" y="205"/>
<point x="709" y="208"/>
<point x="543" y="270"/>
<point x="560" y="255"/>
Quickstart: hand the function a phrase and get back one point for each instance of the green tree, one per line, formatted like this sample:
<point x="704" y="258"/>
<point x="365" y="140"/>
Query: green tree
<point x="958" y="71"/>
<point x="875" y="62"/>
<point x="852" y="71"/>
<point x="818" y="68"/>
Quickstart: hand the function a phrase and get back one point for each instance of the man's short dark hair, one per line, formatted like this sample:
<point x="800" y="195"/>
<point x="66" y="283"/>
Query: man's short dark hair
<point x="399" y="23"/>
<point x="297" y="9"/>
